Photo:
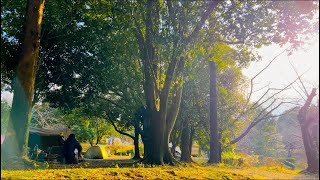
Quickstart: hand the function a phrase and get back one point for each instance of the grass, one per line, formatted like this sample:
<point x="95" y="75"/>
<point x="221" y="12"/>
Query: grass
<point x="160" y="172"/>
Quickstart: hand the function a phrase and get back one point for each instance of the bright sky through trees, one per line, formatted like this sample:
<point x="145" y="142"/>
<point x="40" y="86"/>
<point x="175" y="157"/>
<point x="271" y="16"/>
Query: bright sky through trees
<point x="281" y="73"/>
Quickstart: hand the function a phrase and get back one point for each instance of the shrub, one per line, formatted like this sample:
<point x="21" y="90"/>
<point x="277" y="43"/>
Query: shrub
<point x="288" y="162"/>
<point x="249" y="160"/>
<point x="269" y="161"/>
<point x="232" y="158"/>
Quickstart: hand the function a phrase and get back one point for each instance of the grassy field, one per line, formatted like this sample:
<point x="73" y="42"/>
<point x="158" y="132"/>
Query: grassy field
<point x="163" y="172"/>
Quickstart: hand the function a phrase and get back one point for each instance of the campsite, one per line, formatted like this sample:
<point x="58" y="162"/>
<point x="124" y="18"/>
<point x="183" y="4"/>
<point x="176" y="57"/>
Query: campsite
<point x="159" y="89"/>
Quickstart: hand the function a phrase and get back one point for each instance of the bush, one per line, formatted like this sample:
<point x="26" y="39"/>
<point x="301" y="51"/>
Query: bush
<point x="269" y="161"/>
<point x="232" y="159"/>
<point x="288" y="162"/>
<point x="125" y="150"/>
<point x="249" y="160"/>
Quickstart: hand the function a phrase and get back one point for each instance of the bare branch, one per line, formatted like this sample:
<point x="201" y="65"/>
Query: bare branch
<point x="304" y="88"/>
<point x="256" y="104"/>
<point x="263" y="69"/>
<point x="258" y="120"/>
<point x="299" y="93"/>
<point x="262" y="87"/>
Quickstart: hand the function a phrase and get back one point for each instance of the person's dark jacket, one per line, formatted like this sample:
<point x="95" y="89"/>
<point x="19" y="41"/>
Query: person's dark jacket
<point x="69" y="146"/>
<point x="60" y="141"/>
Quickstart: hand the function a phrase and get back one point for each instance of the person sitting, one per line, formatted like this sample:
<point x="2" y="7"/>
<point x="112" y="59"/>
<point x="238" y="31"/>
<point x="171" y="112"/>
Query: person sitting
<point x="69" y="149"/>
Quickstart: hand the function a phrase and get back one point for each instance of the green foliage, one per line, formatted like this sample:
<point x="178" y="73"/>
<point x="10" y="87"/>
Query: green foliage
<point x="5" y="113"/>
<point x="87" y="128"/>
<point x="232" y="158"/>
<point x="92" y="67"/>
<point x="264" y="140"/>
<point x="288" y="162"/>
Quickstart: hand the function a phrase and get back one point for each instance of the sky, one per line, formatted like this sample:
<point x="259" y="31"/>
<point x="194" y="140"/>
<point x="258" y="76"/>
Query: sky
<point x="280" y="73"/>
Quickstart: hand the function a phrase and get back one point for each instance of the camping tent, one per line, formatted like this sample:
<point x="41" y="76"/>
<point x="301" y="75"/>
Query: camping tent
<point x="44" y="138"/>
<point x="96" y="152"/>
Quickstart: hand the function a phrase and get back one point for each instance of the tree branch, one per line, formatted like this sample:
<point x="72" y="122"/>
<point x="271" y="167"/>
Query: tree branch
<point x="304" y="88"/>
<point x="255" y="122"/>
<point x="204" y="17"/>
<point x="114" y="103"/>
<point x="119" y="131"/>
<point x="263" y="69"/>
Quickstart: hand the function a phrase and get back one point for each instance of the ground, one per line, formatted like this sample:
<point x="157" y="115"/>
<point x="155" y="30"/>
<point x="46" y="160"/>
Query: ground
<point x="124" y="169"/>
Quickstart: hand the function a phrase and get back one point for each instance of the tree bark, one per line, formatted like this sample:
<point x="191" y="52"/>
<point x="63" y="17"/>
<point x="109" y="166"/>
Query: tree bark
<point x="310" y="146"/>
<point x="136" y="142"/>
<point x="215" y="153"/>
<point x="156" y="144"/>
<point x="185" y="143"/>
<point x="191" y="140"/>
<point x="98" y="140"/>
<point x="20" y="115"/>
<point x="171" y="119"/>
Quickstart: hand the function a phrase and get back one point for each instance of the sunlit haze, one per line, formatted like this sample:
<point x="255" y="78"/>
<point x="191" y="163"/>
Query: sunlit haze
<point x="280" y="73"/>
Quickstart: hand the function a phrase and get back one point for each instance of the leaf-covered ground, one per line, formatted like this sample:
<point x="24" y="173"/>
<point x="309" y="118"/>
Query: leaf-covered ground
<point x="163" y="172"/>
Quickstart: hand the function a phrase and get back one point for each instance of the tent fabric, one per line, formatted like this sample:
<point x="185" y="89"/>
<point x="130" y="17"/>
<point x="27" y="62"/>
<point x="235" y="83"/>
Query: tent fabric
<point x="46" y="132"/>
<point x="44" y="138"/>
<point x="96" y="152"/>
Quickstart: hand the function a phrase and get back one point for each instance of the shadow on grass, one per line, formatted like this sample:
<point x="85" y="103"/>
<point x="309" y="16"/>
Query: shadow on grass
<point x="96" y="163"/>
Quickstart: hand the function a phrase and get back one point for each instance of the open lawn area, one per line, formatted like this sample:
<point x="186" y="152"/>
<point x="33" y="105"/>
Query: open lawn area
<point x="159" y="172"/>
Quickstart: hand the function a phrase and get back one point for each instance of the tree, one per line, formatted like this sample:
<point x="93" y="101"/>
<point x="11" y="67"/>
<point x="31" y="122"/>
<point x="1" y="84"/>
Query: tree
<point x="244" y="30"/>
<point x="87" y="127"/>
<point x="5" y="111"/>
<point x="195" y="101"/>
<point x="46" y="117"/>
<point x="166" y="25"/>
<point x="309" y="123"/>
<point x="20" y="116"/>
<point x="12" y="36"/>
<point x="263" y="140"/>
<point x="289" y="128"/>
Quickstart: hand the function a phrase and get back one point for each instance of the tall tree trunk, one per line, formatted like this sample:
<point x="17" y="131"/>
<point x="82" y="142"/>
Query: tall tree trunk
<point x="215" y="153"/>
<point x="168" y="156"/>
<point x="136" y="142"/>
<point x="191" y="140"/>
<point x="309" y="145"/>
<point x="185" y="143"/>
<point x="98" y="139"/>
<point x="171" y="119"/>
<point x="20" y="115"/>
<point x="156" y="143"/>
